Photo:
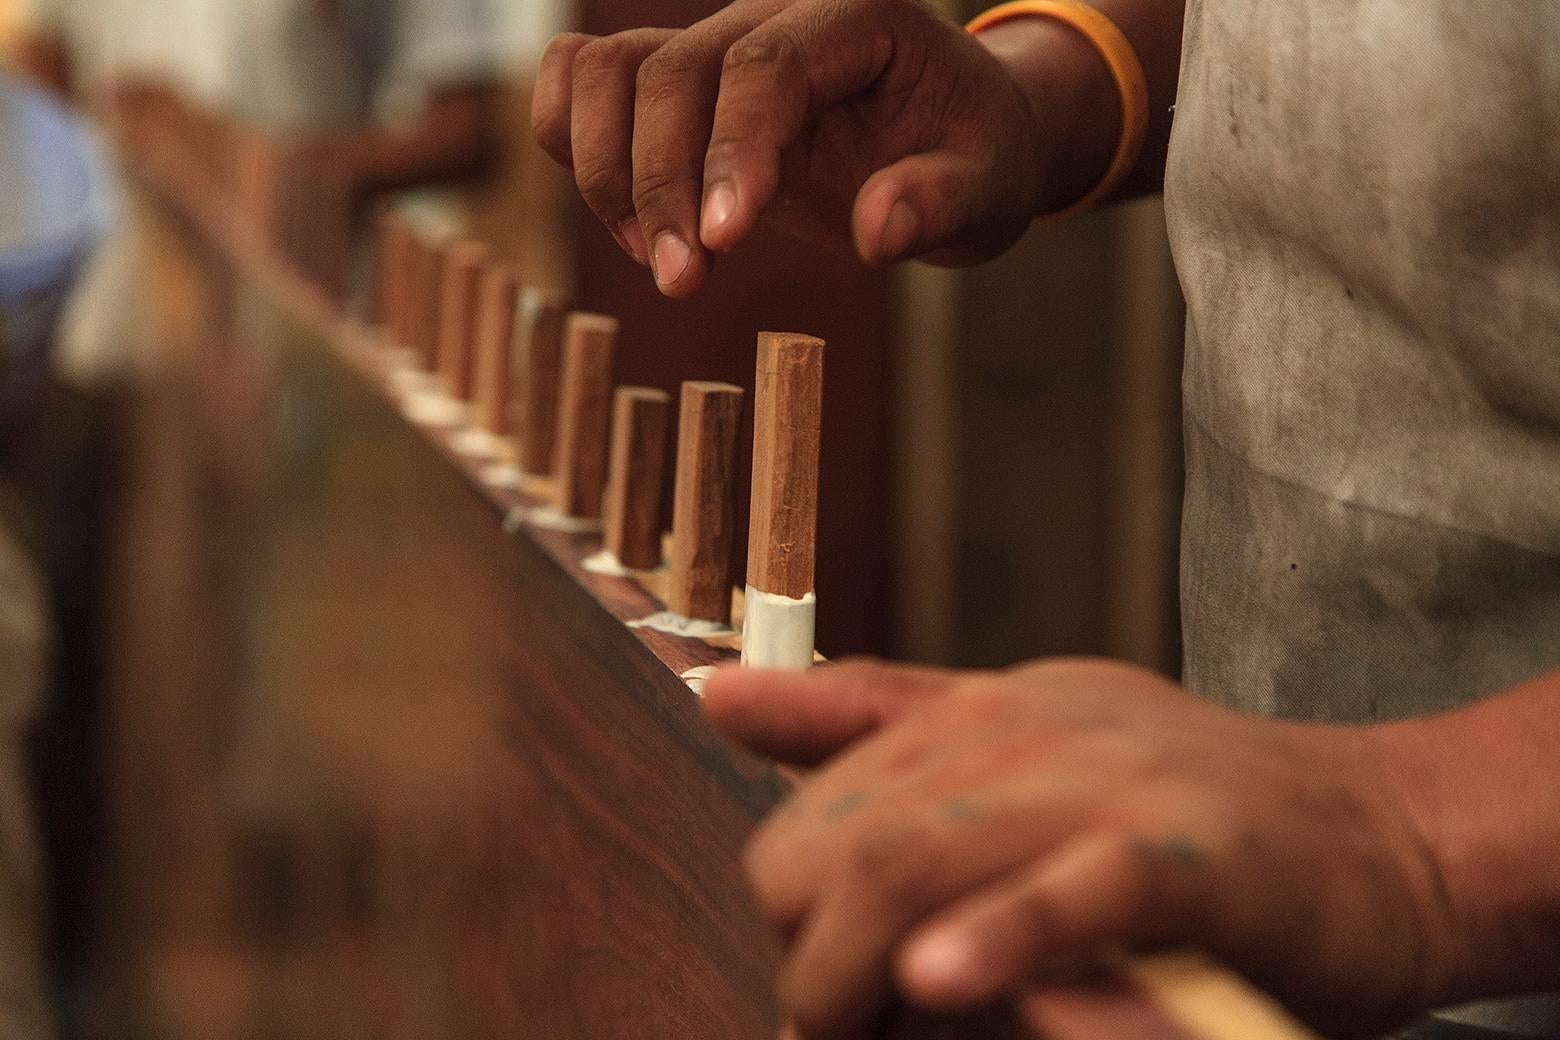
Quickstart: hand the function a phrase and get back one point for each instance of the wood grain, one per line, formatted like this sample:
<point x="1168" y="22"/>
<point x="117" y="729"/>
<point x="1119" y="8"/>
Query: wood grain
<point x="585" y="414"/>
<point x="543" y="316"/>
<point x="704" y="510"/>
<point x="787" y="417"/>
<point x="495" y="339"/>
<point x="465" y="264"/>
<point x="636" y="476"/>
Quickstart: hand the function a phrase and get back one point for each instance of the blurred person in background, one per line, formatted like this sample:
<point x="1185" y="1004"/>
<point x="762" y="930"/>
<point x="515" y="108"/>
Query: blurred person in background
<point x="317" y="106"/>
<point x="320" y="105"/>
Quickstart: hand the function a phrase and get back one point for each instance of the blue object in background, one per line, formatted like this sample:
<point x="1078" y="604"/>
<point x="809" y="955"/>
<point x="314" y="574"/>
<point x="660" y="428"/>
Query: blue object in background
<point x="56" y="203"/>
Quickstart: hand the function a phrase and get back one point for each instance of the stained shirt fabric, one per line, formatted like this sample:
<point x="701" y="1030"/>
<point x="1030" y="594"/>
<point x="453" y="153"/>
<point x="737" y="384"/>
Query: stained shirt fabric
<point x="1364" y="204"/>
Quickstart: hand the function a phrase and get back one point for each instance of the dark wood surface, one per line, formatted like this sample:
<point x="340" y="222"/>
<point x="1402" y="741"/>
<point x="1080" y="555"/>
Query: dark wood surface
<point x="383" y="768"/>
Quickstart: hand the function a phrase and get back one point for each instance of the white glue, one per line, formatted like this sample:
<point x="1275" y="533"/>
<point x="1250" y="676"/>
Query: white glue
<point x="778" y="631"/>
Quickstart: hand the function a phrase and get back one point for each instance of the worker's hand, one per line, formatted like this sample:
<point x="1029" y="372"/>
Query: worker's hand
<point x="881" y="117"/>
<point x="976" y="834"/>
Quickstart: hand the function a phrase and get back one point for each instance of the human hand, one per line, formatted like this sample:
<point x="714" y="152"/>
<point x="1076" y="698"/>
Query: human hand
<point x="881" y="118"/>
<point x="975" y="834"/>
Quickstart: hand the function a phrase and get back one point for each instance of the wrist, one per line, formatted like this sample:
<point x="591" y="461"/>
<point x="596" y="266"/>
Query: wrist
<point x="1074" y="103"/>
<point x="1479" y="783"/>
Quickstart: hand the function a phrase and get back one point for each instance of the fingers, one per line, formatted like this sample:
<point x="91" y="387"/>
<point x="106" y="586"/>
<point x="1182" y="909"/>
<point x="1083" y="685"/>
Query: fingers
<point x="552" y="101"/>
<point x="839" y="976"/>
<point x="1068" y="913"/>
<point x="805" y="718"/>
<point x="674" y="108"/>
<point x="773" y="81"/>
<point x="602" y="129"/>
<point x="913" y="206"/>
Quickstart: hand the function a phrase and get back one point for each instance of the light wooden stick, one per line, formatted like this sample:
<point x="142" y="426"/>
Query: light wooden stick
<point x="636" y="476"/>
<point x="778" y="629"/>
<point x="463" y="269"/>
<point x="495" y="337"/>
<point x="703" y="513"/>
<point x="543" y="316"/>
<point x="584" y="414"/>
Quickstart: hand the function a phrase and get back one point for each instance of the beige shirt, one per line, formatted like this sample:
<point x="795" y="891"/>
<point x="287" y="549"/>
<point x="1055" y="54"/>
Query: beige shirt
<point x="292" y="63"/>
<point x="1364" y="201"/>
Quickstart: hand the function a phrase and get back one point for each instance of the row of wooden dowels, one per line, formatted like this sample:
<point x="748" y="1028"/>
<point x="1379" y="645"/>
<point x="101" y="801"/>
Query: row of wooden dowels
<point x="535" y="383"/>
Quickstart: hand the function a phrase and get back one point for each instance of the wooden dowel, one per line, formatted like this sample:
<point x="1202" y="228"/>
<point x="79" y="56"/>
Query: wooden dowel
<point x="464" y="265"/>
<point x="787" y="421"/>
<point x="782" y="540"/>
<point x="394" y="277"/>
<point x="543" y="316"/>
<point x="703" y="512"/>
<point x="636" y="476"/>
<point x="428" y="294"/>
<point x="412" y="300"/>
<point x="584" y="414"/>
<point x="495" y="337"/>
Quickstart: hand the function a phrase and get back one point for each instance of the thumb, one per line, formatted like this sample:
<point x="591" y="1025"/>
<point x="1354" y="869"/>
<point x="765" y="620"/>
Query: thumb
<point x="927" y="203"/>
<point x="803" y="718"/>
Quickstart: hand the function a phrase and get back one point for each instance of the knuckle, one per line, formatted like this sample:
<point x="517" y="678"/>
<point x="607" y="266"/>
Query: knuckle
<point x="656" y="184"/>
<point x="774" y="52"/>
<point x="662" y="72"/>
<point x="562" y="45"/>
<point x="602" y="183"/>
<point x="602" y="56"/>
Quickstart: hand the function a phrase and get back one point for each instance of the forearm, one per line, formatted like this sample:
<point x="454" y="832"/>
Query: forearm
<point x="1076" y="101"/>
<point x="1485" y="785"/>
<point x="455" y="135"/>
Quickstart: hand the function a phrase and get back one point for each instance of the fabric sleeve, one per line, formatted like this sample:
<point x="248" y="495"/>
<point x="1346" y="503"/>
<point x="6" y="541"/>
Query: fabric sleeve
<point x="433" y="44"/>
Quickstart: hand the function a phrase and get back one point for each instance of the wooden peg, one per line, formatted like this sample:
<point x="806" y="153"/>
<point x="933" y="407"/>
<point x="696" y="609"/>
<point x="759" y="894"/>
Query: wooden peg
<point x="778" y="629"/>
<point x="584" y="414"/>
<point x="703" y="512"/>
<point x="543" y="317"/>
<point x="428" y="301"/>
<point x="395" y="256"/>
<point x="495" y="336"/>
<point x="465" y="263"/>
<point x="636" y="476"/>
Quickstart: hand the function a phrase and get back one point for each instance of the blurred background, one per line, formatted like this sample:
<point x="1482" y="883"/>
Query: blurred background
<point x="1002" y="462"/>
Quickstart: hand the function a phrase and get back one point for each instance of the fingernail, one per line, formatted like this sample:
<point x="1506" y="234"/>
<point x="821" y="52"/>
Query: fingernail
<point x="672" y="256"/>
<point x="900" y="232"/>
<point x="634" y="235"/>
<point x="719" y="205"/>
<point x="942" y="961"/>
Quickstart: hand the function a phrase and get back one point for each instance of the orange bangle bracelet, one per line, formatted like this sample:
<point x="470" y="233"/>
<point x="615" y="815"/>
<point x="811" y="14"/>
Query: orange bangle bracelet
<point x="1124" y="65"/>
